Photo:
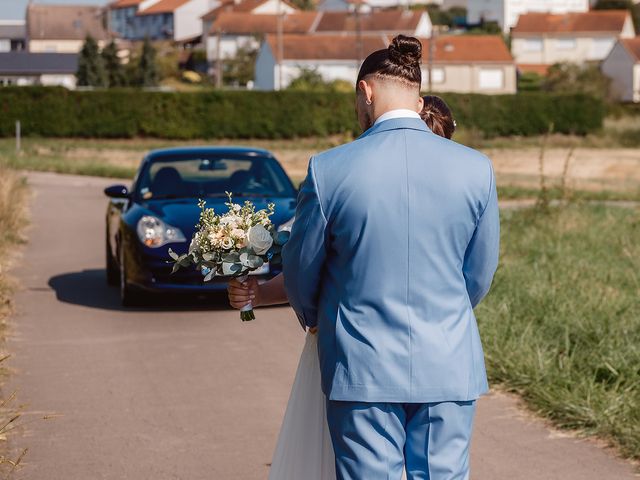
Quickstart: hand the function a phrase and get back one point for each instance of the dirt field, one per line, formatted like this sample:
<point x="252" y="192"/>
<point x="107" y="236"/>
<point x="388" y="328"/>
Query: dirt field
<point x="611" y="169"/>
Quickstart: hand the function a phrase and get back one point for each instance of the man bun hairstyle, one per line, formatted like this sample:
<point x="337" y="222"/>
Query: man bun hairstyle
<point x="400" y="61"/>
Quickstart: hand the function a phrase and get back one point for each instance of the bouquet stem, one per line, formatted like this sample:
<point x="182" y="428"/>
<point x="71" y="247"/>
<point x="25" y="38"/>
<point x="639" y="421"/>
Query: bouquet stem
<point x="246" y="312"/>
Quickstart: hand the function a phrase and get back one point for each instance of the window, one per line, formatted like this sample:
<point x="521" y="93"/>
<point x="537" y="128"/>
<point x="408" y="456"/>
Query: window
<point x="532" y="45"/>
<point x="437" y="75"/>
<point x="565" y="43"/>
<point x="491" y="78"/>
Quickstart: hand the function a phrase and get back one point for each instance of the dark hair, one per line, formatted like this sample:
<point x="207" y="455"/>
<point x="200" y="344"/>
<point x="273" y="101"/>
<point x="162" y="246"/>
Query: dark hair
<point x="438" y="117"/>
<point x="400" y="61"/>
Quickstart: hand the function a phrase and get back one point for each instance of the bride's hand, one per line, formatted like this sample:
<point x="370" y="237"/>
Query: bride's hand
<point x="241" y="294"/>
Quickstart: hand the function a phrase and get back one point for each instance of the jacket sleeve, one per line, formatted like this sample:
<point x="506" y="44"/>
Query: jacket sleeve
<point x="481" y="257"/>
<point x="303" y="256"/>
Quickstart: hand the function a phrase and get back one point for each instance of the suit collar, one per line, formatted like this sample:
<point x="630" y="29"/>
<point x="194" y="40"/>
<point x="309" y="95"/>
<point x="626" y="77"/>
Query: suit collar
<point x="397" y="124"/>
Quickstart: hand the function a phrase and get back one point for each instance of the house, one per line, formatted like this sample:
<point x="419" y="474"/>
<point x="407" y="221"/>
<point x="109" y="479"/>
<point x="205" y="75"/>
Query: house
<point x="64" y="28"/>
<point x="622" y="66"/>
<point x="176" y="20"/>
<point x="49" y="69"/>
<point x="541" y="39"/>
<point x="506" y="12"/>
<point x="460" y="63"/>
<point x="234" y="30"/>
<point x="239" y="29"/>
<point x="123" y="20"/>
<point x="255" y="7"/>
<point x="383" y="22"/>
<point x="12" y="35"/>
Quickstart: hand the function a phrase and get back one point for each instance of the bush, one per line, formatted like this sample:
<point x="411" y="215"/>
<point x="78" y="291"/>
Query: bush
<point x="126" y="113"/>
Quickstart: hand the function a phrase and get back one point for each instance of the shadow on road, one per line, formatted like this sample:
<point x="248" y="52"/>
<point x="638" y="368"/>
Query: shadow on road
<point x="89" y="289"/>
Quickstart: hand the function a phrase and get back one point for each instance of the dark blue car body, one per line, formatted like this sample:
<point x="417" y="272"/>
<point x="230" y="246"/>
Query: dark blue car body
<point x="138" y="268"/>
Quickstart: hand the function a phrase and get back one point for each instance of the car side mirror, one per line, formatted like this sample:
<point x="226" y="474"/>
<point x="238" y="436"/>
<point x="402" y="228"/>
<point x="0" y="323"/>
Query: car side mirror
<point x="117" y="191"/>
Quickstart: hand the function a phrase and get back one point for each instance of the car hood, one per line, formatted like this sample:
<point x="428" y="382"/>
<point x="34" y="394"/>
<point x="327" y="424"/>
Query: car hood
<point x="184" y="213"/>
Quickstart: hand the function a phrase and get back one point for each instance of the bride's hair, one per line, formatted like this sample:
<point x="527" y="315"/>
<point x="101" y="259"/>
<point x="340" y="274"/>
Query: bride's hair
<point x="400" y="62"/>
<point x="438" y="117"/>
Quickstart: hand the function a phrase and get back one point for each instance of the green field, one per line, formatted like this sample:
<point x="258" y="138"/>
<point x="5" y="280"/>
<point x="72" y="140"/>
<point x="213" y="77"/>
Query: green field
<point x="561" y="325"/>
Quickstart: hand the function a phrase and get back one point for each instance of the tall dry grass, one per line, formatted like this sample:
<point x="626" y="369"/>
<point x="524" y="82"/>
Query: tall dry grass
<point x="13" y="200"/>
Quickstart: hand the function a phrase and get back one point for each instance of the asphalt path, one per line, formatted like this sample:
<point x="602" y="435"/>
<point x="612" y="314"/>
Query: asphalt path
<point x="184" y="390"/>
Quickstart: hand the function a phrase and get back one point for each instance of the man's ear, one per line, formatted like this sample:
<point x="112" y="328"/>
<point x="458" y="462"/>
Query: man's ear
<point x="365" y="88"/>
<point x="420" y="104"/>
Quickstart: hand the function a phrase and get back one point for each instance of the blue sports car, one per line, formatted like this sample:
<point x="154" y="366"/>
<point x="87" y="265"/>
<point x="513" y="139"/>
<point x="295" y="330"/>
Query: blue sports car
<point x="161" y="211"/>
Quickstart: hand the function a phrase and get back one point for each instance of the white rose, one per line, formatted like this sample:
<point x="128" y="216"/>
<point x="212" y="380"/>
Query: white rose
<point x="259" y="239"/>
<point x="227" y="243"/>
<point x="238" y="233"/>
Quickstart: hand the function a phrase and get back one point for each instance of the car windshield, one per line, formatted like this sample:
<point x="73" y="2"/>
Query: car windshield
<point x="202" y="176"/>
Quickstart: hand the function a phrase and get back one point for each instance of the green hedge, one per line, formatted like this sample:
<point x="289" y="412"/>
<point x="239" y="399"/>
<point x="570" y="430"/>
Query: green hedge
<point x="56" y="112"/>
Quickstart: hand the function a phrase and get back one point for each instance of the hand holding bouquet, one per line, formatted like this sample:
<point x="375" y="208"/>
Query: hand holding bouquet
<point x="233" y="244"/>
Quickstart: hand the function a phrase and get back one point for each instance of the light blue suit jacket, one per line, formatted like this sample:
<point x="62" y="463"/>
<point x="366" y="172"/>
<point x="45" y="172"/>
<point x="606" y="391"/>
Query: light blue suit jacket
<point x="395" y="241"/>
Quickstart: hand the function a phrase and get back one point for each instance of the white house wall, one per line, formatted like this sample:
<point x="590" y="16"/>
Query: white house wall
<point x="423" y="30"/>
<point x="565" y="48"/>
<point x="186" y="19"/>
<point x="229" y="45"/>
<point x="271" y="7"/>
<point x="58" y="46"/>
<point x="636" y="82"/>
<point x="507" y="12"/>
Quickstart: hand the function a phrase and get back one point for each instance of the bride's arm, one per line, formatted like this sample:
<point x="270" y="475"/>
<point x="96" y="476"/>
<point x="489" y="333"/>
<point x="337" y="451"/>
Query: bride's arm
<point x="268" y="293"/>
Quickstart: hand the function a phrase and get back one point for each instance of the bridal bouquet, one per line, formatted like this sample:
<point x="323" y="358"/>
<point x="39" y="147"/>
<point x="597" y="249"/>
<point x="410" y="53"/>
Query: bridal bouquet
<point x="233" y="244"/>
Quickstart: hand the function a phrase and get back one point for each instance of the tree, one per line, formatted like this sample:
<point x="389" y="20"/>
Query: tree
<point x="147" y="69"/>
<point x="309" y="80"/>
<point x="114" y="69"/>
<point x="91" y="71"/>
<point x="574" y="78"/>
<point x="240" y="69"/>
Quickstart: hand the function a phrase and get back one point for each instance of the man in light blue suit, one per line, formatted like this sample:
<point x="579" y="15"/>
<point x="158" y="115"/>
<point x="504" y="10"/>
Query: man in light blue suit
<point x="395" y="242"/>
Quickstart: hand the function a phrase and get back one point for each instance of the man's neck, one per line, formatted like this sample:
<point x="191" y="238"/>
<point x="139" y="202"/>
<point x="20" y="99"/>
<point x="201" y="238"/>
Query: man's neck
<point x="396" y="113"/>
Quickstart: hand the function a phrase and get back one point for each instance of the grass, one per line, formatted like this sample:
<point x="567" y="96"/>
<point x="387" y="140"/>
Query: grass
<point x="13" y="199"/>
<point x="120" y="158"/>
<point x="561" y="326"/>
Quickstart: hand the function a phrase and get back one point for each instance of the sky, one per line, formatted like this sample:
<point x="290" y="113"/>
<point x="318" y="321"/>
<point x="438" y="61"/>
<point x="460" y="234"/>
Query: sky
<point x="14" y="9"/>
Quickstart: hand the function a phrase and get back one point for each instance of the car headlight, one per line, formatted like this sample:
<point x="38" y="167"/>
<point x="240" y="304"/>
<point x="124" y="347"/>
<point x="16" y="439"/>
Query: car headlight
<point x="154" y="233"/>
<point x="286" y="226"/>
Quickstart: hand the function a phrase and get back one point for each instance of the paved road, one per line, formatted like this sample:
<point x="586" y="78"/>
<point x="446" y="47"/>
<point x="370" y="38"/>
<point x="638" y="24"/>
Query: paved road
<point x="180" y="392"/>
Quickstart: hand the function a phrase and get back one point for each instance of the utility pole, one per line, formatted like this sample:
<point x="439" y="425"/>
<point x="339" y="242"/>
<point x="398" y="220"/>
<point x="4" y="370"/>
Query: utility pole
<point x="359" y="52"/>
<point x="219" y="66"/>
<point x="431" y="58"/>
<point x="279" y="28"/>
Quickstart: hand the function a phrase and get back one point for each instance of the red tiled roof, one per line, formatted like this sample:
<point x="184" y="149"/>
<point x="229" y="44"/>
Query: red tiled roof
<point x="533" y="68"/>
<point x="468" y="49"/>
<point x="391" y="21"/>
<point x="163" y="6"/>
<point x="593" y="21"/>
<point x="449" y="49"/>
<point x="245" y="6"/>
<point x="633" y="46"/>
<point x="125" y="3"/>
<point x="65" y="22"/>
<point x="249" y="23"/>
<point x="325" y="47"/>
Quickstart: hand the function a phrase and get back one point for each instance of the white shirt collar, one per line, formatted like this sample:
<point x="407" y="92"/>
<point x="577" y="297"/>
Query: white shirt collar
<point x="398" y="113"/>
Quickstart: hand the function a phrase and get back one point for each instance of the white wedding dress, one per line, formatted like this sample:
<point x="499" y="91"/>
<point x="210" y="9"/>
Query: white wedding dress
<point x="304" y="450"/>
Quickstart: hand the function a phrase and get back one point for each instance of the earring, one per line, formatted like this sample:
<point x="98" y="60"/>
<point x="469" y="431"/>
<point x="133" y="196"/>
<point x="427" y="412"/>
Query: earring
<point x="368" y="102"/>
